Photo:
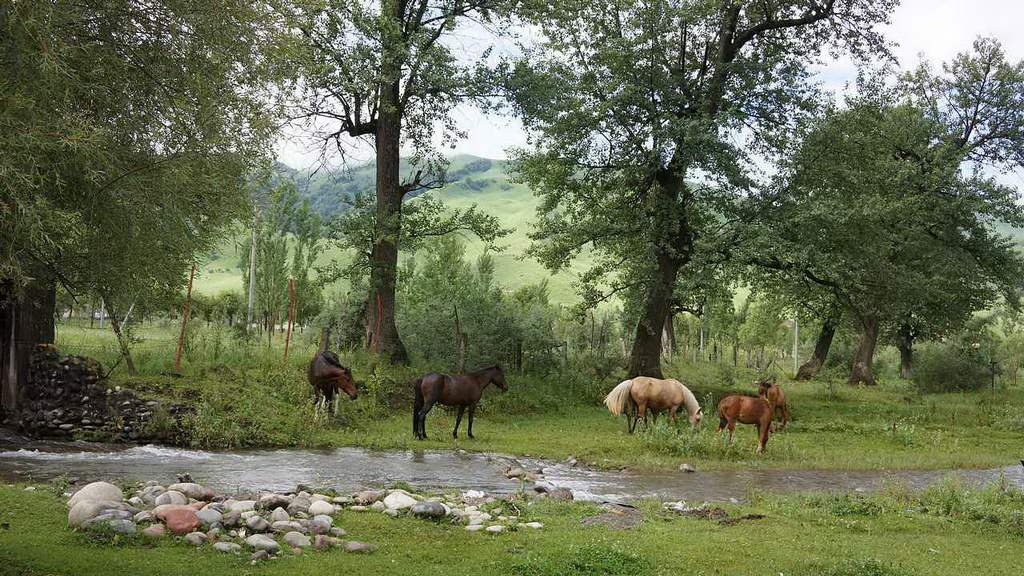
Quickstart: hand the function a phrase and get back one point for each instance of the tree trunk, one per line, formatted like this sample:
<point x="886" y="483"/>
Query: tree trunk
<point x="905" y="343"/>
<point x="25" y="321"/>
<point x="381" y="328"/>
<point x="122" y="341"/>
<point x="645" y="358"/>
<point x="810" y="368"/>
<point x="863" y="359"/>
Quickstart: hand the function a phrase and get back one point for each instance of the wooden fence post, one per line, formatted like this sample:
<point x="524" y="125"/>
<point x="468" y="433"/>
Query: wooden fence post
<point x="184" y="321"/>
<point x="291" y="316"/>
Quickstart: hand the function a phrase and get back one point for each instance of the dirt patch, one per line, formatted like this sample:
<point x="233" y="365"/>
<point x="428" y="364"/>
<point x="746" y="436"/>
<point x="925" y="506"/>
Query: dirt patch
<point x="717" y="514"/>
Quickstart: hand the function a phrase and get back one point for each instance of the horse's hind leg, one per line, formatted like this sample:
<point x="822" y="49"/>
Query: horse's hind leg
<point x="472" y="411"/>
<point x="732" y="428"/>
<point x="458" y="420"/>
<point x="763" y="430"/>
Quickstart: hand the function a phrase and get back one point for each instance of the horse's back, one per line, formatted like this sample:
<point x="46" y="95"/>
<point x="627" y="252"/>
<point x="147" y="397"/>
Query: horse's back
<point x="657" y="393"/>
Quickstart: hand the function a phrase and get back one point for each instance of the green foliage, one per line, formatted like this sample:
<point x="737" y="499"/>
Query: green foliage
<point x="443" y="285"/>
<point x="953" y="366"/>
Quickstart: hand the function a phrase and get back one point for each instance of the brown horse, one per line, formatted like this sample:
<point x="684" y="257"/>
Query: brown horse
<point x="461" y="390"/>
<point x="327" y="376"/>
<point x="641" y="394"/>
<point x="746" y="410"/>
<point x="771" y="391"/>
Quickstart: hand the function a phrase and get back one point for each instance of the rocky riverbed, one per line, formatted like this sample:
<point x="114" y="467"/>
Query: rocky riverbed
<point x="269" y="523"/>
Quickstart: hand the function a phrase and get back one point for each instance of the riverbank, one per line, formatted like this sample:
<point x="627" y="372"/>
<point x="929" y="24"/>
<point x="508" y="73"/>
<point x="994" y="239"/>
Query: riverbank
<point x="833" y="427"/>
<point x="260" y="402"/>
<point x="947" y="529"/>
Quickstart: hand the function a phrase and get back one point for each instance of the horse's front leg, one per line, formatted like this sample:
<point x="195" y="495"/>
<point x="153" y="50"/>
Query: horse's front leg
<point x="458" y="420"/>
<point x="472" y="410"/>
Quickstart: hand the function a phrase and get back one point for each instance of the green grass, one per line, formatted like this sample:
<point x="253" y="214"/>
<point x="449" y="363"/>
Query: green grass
<point x="889" y="534"/>
<point x="245" y="395"/>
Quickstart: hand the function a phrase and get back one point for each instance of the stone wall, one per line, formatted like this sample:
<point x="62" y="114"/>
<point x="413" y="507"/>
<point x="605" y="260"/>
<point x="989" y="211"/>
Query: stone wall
<point x="66" y="397"/>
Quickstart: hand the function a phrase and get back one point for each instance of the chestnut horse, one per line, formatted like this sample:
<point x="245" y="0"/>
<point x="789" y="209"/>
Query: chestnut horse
<point x="327" y="377"/>
<point x="641" y="394"/>
<point x="776" y="397"/>
<point x="746" y="410"/>
<point x="461" y="390"/>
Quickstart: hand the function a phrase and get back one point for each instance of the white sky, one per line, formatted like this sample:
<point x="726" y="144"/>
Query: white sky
<point x="933" y="29"/>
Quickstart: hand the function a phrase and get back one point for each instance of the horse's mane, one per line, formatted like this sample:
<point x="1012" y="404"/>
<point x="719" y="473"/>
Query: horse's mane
<point x="331" y="358"/>
<point x="689" y="400"/>
<point x="479" y="371"/>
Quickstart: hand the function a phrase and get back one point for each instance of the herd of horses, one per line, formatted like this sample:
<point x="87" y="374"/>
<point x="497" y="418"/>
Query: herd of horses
<point x="637" y="398"/>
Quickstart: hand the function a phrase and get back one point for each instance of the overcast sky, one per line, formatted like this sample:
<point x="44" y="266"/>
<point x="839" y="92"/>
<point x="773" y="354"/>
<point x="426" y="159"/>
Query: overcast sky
<point x="933" y="29"/>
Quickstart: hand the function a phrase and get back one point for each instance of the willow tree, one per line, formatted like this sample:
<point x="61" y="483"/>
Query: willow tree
<point x="126" y="130"/>
<point x="385" y="72"/>
<point x="634" y="110"/>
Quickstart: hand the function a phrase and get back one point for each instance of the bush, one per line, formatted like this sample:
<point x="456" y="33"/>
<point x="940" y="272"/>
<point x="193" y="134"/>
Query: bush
<point x="950" y="368"/>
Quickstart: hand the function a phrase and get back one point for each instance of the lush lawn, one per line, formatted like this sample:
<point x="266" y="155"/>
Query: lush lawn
<point x="854" y="429"/>
<point x="246" y="396"/>
<point x="890" y="534"/>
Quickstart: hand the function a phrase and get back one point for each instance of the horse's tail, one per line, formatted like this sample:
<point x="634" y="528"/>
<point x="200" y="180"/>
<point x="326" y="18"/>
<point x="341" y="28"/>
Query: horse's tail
<point x="619" y="399"/>
<point x="417" y="404"/>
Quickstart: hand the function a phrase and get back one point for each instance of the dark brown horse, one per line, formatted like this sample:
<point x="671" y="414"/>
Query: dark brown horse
<point x="461" y="390"/>
<point x="327" y="377"/>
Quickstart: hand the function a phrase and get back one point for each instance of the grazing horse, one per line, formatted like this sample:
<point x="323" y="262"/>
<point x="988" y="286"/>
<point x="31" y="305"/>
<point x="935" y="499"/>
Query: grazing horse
<point x="771" y="391"/>
<point x="746" y="410"/>
<point x="461" y="390"/>
<point x="327" y="376"/>
<point x="635" y="397"/>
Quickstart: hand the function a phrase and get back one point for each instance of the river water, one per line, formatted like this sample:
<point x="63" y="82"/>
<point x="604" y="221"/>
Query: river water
<point x="355" y="468"/>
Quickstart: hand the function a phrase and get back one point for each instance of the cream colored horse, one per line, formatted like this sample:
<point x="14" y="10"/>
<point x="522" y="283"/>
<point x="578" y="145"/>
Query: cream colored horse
<point x="641" y="394"/>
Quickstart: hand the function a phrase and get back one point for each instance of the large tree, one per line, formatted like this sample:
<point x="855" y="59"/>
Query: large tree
<point x="637" y="112"/>
<point x="126" y="128"/>
<point x="886" y="207"/>
<point x="385" y="72"/>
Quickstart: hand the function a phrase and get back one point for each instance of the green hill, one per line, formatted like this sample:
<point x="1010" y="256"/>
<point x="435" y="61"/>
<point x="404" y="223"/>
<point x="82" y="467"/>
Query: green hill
<point x="472" y="180"/>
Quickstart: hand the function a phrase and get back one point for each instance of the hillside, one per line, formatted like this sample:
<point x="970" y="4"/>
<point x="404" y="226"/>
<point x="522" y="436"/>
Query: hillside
<point x="472" y="180"/>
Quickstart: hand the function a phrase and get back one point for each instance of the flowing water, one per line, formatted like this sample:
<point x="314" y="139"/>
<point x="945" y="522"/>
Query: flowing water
<point x="355" y="468"/>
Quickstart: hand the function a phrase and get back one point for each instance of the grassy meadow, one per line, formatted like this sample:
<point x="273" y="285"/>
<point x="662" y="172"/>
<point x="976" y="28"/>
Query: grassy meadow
<point x="947" y="529"/>
<point x="247" y="396"/>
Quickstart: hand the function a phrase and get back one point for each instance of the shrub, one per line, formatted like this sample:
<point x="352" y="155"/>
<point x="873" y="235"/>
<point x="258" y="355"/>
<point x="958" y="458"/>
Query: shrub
<point x="950" y="368"/>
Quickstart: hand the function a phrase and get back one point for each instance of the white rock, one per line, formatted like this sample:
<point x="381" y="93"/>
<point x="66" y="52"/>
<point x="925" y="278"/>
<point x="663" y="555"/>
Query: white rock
<point x="171" y="497"/>
<point x="97" y="492"/>
<point x="475" y="527"/>
<point x="263" y="542"/>
<point x="297" y="540"/>
<point x="397" y="500"/>
<point x="472" y="494"/>
<point x="534" y="525"/>
<point x="85" y="510"/>
<point x="243" y="506"/>
<point x="495" y="529"/>
<point x="279" y="515"/>
<point x="192" y="490"/>
<point x="227" y="547"/>
<point x="321" y="507"/>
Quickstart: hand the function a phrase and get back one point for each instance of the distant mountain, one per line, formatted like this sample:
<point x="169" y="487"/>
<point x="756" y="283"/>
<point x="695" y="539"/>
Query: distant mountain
<point x="327" y="190"/>
<point x="471" y="181"/>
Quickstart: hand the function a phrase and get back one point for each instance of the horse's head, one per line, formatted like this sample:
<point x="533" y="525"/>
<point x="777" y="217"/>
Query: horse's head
<point x="696" y="417"/>
<point x="498" y="377"/>
<point x="764" y="385"/>
<point x="346" y="384"/>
